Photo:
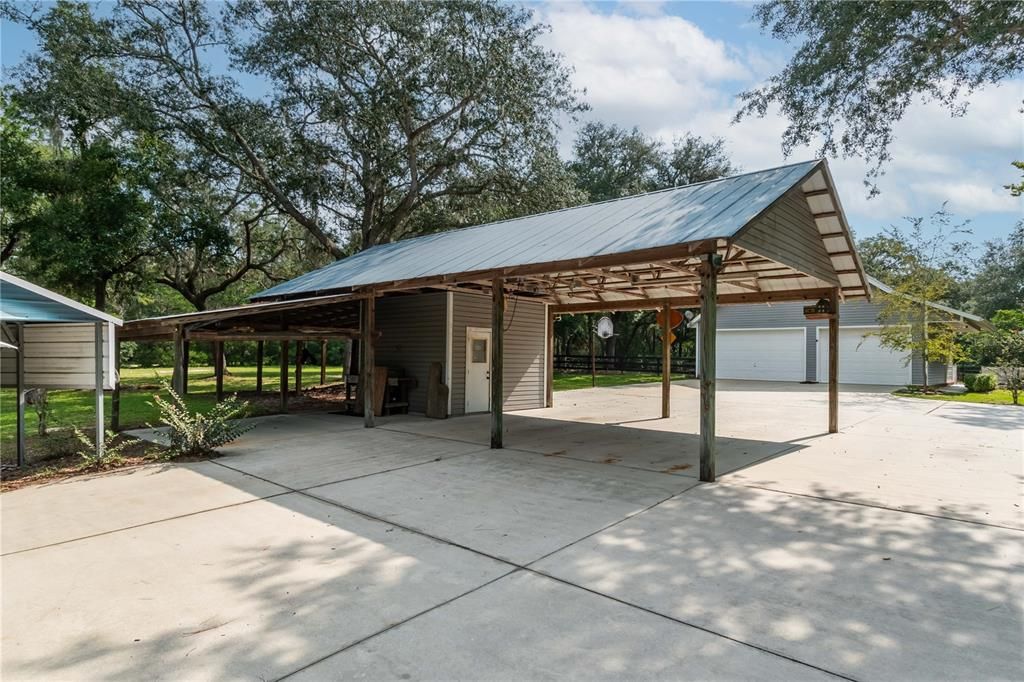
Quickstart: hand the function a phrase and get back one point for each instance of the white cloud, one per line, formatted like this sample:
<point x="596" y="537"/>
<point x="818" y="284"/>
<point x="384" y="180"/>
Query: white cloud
<point x="643" y="67"/>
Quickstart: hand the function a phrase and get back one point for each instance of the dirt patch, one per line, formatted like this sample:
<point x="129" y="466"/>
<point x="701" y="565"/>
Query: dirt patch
<point x="677" y="467"/>
<point x="610" y="460"/>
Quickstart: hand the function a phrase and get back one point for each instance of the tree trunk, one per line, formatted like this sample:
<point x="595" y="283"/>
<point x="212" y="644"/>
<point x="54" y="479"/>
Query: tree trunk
<point x="100" y="294"/>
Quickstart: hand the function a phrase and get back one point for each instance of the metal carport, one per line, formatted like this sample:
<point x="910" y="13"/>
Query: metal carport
<point x="51" y="341"/>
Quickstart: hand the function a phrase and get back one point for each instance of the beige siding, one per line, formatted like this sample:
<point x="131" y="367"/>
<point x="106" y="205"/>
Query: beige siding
<point x="524" y="349"/>
<point x="63" y="355"/>
<point x="412" y="335"/>
<point x="787" y="233"/>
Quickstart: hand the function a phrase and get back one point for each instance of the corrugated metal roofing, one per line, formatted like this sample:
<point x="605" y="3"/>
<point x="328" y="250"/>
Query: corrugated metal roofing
<point x="711" y="210"/>
<point x="24" y="302"/>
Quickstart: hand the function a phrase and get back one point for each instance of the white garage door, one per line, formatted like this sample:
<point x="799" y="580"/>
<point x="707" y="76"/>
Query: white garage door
<point x="862" y="359"/>
<point x="769" y="355"/>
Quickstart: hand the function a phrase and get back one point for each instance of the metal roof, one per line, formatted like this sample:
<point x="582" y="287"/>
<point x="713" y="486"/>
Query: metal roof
<point x="24" y="302"/>
<point x="717" y="209"/>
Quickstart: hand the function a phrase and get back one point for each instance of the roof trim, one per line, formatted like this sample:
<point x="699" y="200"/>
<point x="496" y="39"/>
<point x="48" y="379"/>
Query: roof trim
<point x="57" y="298"/>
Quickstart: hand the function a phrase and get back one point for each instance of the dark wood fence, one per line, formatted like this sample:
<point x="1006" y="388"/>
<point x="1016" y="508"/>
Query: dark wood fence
<point x="611" y="363"/>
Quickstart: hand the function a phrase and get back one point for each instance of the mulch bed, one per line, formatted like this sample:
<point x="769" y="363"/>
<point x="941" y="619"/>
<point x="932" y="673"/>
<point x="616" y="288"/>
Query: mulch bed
<point x="136" y="453"/>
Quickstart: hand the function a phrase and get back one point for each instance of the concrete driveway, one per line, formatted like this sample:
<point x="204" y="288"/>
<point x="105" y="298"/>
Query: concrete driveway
<point x="317" y="549"/>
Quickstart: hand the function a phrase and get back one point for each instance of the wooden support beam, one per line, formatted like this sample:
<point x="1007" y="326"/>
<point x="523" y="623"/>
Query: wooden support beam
<point x="708" y="333"/>
<point x="817" y="193"/>
<point x="497" y="360"/>
<point x="549" y="378"/>
<point x="218" y="368"/>
<point x="177" y="373"/>
<point x="185" y="359"/>
<point x="666" y="360"/>
<point x="100" y="430"/>
<point x="259" y="366"/>
<point x="694" y="301"/>
<point x="115" y="398"/>
<point x="323" y="362"/>
<point x="284" y="376"/>
<point x="833" y="364"/>
<point x="300" y="350"/>
<point x="367" y="360"/>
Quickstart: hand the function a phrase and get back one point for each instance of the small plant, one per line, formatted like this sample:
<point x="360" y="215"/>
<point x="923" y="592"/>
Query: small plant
<point x="193" y="433"/>
<point x="980" y="383"/>
<point x="112" y="449"/>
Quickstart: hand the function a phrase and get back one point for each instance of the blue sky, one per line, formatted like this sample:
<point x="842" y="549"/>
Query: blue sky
<point x="672" y="68"/>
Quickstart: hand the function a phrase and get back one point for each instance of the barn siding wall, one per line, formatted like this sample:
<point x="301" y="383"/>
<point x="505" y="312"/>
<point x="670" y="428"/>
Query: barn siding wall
<point x="412" y="335"/>
<point x="787" y="234"/>
<point x="524" y="349"/>
<point x="851" y="314"/>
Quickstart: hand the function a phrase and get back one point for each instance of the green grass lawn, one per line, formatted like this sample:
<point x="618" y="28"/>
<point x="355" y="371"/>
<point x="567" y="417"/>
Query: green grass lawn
<point x="77" y="408"/>
<point x="1000" y="396"/>
<point x="565" y="381"/>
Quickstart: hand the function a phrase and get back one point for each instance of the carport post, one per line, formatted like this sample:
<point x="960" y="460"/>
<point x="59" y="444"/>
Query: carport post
<point x="21" y="394"/>
<point x="708" y="330"/>
<point x="497" y="359"/>
<point x="177" y="373"/>
<point x="833" y="363"/>
<point x="300" y="347"/>
<point x="666" y="360"/>
<point x="284" y="376"/>
<point x="185" y="348"/>
<point x="218" y="368"/>
<point x="549" y="379"/>
<point x="259" y="366"/>
<point x="367" y="360"/>
<point x="323" y="362"/>
<point x="98" y="352"/>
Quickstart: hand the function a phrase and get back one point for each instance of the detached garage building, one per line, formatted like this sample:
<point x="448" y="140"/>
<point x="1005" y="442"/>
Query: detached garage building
<point x="777" y="343"/>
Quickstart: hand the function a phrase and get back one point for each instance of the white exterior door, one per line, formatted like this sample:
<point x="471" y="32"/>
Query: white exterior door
<point x="862" y="359"/>
<point x="478" y="369"/>
<point x="763" y="354"/>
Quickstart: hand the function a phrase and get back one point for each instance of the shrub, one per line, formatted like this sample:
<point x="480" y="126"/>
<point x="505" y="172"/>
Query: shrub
<point x="112" y="449"/>
<point x="980" y="383"/>
<point x="193" y="433"/>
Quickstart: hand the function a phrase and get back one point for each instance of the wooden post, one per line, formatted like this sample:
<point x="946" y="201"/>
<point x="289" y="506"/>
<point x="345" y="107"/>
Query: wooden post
<point x="20" y="369"/>
<point x="497" y="360"/>
<point x="115" y="398"/>
<point x="323" y="362"/>
<point x="100" y="431"/>
<point x="708" y="331"/>
<point x="593" y="362"/>
<point x="177" y="378"/>
<point x="259" y="366"/>
<point x="367" y="360"/>
<point x="284" y="376"/>
<point x="549" y="389"/>
<point x="218" y="368"/>
<point x="833" y="364"/>
<point x="666" y="360"/>
<point x="185" y="348"/>
<point x="300" y="348"/>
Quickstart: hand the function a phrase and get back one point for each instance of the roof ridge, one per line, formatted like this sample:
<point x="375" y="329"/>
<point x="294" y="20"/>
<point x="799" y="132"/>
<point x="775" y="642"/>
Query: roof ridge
<point x="577" y="206"/>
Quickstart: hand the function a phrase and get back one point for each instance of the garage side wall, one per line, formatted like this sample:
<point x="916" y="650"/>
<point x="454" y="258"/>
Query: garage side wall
<point x="412" y="335"/>
<point x="783" y="315"/>
<point x="526" y="325"/>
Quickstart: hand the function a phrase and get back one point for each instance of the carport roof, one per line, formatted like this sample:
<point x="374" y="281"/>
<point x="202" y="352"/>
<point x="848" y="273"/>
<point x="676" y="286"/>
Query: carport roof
<point x="780" y="229"/>
<point x="24" y="302"/>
